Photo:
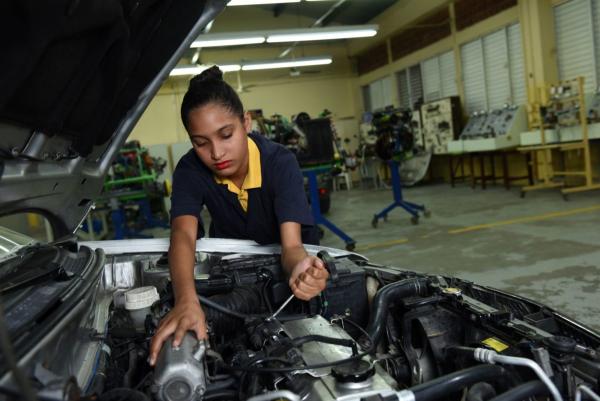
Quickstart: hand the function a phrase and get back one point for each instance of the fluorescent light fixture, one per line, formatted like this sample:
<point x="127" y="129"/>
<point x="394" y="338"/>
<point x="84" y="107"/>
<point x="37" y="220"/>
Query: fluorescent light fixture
<point x="258" y="2"/>
<point x="197" y="69"/>
<point x="329" y="33"/>
<point x="228" y="40"/>
<point x="284" y="35"/>
<point x="299" y="62"/>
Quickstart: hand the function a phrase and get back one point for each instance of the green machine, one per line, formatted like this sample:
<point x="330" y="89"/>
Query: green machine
<point x="132" y="196"/>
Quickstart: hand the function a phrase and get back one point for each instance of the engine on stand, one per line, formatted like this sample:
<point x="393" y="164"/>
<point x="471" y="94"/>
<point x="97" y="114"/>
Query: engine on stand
<point x="391" y="134"/>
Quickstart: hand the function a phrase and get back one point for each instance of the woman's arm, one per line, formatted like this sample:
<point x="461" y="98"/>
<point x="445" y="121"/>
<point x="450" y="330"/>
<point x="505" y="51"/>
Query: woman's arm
<point x="307" y="274"/>
<point x="187" y="314"/>
<point x="182" y="251"/>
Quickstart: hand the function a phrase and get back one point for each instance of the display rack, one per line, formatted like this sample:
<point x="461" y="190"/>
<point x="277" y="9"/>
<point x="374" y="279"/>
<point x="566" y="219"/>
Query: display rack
<point x="563" y="98"/>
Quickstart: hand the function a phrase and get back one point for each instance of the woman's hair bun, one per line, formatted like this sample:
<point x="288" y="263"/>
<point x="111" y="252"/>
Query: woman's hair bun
<point x="211" y="74"/>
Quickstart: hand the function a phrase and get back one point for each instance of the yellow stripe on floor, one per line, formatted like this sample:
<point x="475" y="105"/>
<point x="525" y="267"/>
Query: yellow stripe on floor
<point x="528" y="219"/>
<point x="382" y="244"/>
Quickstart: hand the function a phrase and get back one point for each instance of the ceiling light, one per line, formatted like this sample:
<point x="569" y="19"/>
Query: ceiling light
<point x="331" y="33"/>
<point x="227" y="40"/>
<point x="299" y="62"/>
<point x="196" y="56"/>
<point x="258" y="2"/>
<point x="197" y="69"/>
<point x="284" y="35"/>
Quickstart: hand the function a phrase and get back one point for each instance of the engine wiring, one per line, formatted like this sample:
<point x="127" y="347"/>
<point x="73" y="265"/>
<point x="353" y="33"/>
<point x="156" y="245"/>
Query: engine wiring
<point x="248" y="368"/>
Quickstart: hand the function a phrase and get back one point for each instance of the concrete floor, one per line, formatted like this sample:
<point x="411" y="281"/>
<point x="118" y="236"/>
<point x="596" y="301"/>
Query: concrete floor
<point x="540" y="247"/>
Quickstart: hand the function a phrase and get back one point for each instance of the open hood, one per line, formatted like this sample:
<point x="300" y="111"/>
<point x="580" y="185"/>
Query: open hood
<point x="75" y="78"/>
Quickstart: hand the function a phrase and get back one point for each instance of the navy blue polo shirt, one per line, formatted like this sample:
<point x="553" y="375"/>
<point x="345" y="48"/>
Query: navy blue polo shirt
<point x="281" y="197"/>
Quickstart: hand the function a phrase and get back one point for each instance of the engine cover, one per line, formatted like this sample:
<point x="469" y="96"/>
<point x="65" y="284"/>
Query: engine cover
<point x="327" y="386"/>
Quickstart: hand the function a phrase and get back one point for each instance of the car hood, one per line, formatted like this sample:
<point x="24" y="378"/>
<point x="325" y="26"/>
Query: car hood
<point x="75" y="78"/>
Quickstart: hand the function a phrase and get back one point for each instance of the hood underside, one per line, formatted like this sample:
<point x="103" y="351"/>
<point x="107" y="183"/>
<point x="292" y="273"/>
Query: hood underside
<point x="75" y="78"/>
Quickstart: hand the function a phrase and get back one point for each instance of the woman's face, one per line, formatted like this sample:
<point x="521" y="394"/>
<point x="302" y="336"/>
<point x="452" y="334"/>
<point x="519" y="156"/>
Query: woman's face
<point x="220" y="139"/>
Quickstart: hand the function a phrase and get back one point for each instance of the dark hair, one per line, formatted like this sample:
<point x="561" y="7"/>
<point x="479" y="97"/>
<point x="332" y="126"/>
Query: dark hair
<point x="209" y="87"/>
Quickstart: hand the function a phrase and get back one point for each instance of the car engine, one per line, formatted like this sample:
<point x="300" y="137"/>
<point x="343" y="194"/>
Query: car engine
<point x="375" y="333"/>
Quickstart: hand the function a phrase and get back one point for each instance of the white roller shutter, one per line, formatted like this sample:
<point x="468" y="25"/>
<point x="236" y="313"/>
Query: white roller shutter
<point x="376" y="95"/>
<point x="473" y="76"/>
<point x="403" y="88"/>
<point x="516" y="64"/>
<point x="386" y="90"/>
<point x="448" y="74"/>
<point x="416" y="84"/>
<point x="431" y="79"/>
<point x="410" y="87"/>
<point x="574" y="41"/>
<point x="497" y="80"/>
<point x="596" y="23"/>
<point x="380" y="93"/>
<point x="367" y="103"/>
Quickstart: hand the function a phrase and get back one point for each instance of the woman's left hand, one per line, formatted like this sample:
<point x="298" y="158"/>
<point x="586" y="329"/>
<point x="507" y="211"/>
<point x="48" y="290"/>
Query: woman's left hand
<point x="308" y="278"/>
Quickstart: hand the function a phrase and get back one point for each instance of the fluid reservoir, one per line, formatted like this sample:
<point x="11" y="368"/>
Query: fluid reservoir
<point x="138" y="302"/>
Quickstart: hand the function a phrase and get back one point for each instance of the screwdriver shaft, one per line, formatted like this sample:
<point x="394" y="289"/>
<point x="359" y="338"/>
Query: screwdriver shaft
<point x="281" y="308"/>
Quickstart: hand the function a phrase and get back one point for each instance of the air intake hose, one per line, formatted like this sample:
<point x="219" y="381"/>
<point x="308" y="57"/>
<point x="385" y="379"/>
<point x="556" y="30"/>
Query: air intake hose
<point x="227" y="311"/>
<point x="385" y="296"/>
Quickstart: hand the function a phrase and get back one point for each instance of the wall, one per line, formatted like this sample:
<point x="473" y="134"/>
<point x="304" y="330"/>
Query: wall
<point x="273" y="91"/>
<point x="161" y="121"/>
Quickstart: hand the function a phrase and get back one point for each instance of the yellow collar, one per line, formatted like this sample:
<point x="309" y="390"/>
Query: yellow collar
<point x="253" y="178"/>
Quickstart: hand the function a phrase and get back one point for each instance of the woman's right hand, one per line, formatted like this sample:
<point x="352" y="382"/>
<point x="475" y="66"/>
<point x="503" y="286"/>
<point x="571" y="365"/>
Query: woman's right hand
<point x="185" y="316"/>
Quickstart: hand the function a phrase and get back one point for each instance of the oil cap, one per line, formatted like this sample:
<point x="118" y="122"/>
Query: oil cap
<point x="353" y="372"/>
<point x="140" y="298"/>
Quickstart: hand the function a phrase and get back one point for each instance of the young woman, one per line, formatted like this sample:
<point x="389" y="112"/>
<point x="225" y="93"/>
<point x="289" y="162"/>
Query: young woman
<point x="253" y="189"/>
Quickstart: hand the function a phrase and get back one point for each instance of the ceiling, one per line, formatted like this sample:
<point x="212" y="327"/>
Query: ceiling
<point x="286" y="16"/>
<point x="350" y="12"/>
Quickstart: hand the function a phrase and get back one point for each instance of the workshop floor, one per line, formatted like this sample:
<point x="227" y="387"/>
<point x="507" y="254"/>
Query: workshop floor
<point x="540" y="247"/>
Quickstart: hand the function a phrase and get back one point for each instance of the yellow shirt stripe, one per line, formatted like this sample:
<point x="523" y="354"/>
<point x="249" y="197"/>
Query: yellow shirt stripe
<point x="253" y="178"/>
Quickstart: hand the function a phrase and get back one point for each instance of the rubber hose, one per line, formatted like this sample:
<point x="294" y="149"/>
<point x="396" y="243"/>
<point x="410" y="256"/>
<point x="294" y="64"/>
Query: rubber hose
<point x="297" y="342"/>
<point x="220" y="385"/>
<point x="524" y="391"/>
<point x="453" y="382"/>
<point x="385" y="296"/>
<point x="99" y="380"/>
<point x="131" y="369"/>
<point x="481" y="392"/>
<point x="227" y="312"/>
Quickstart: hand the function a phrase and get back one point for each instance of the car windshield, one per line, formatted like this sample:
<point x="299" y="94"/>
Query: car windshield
<point x="11" y="241"/>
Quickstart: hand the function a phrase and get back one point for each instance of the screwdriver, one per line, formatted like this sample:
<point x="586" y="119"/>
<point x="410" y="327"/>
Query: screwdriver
<point x="281" y="308"/>
<point x="329" y="263"/>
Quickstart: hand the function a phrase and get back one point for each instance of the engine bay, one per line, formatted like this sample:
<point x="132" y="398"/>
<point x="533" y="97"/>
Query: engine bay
<point x="376" y="333"/>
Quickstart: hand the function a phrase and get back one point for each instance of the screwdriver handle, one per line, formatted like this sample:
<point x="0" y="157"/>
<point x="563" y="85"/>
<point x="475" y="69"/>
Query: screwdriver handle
<point x="330" y="264"/>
